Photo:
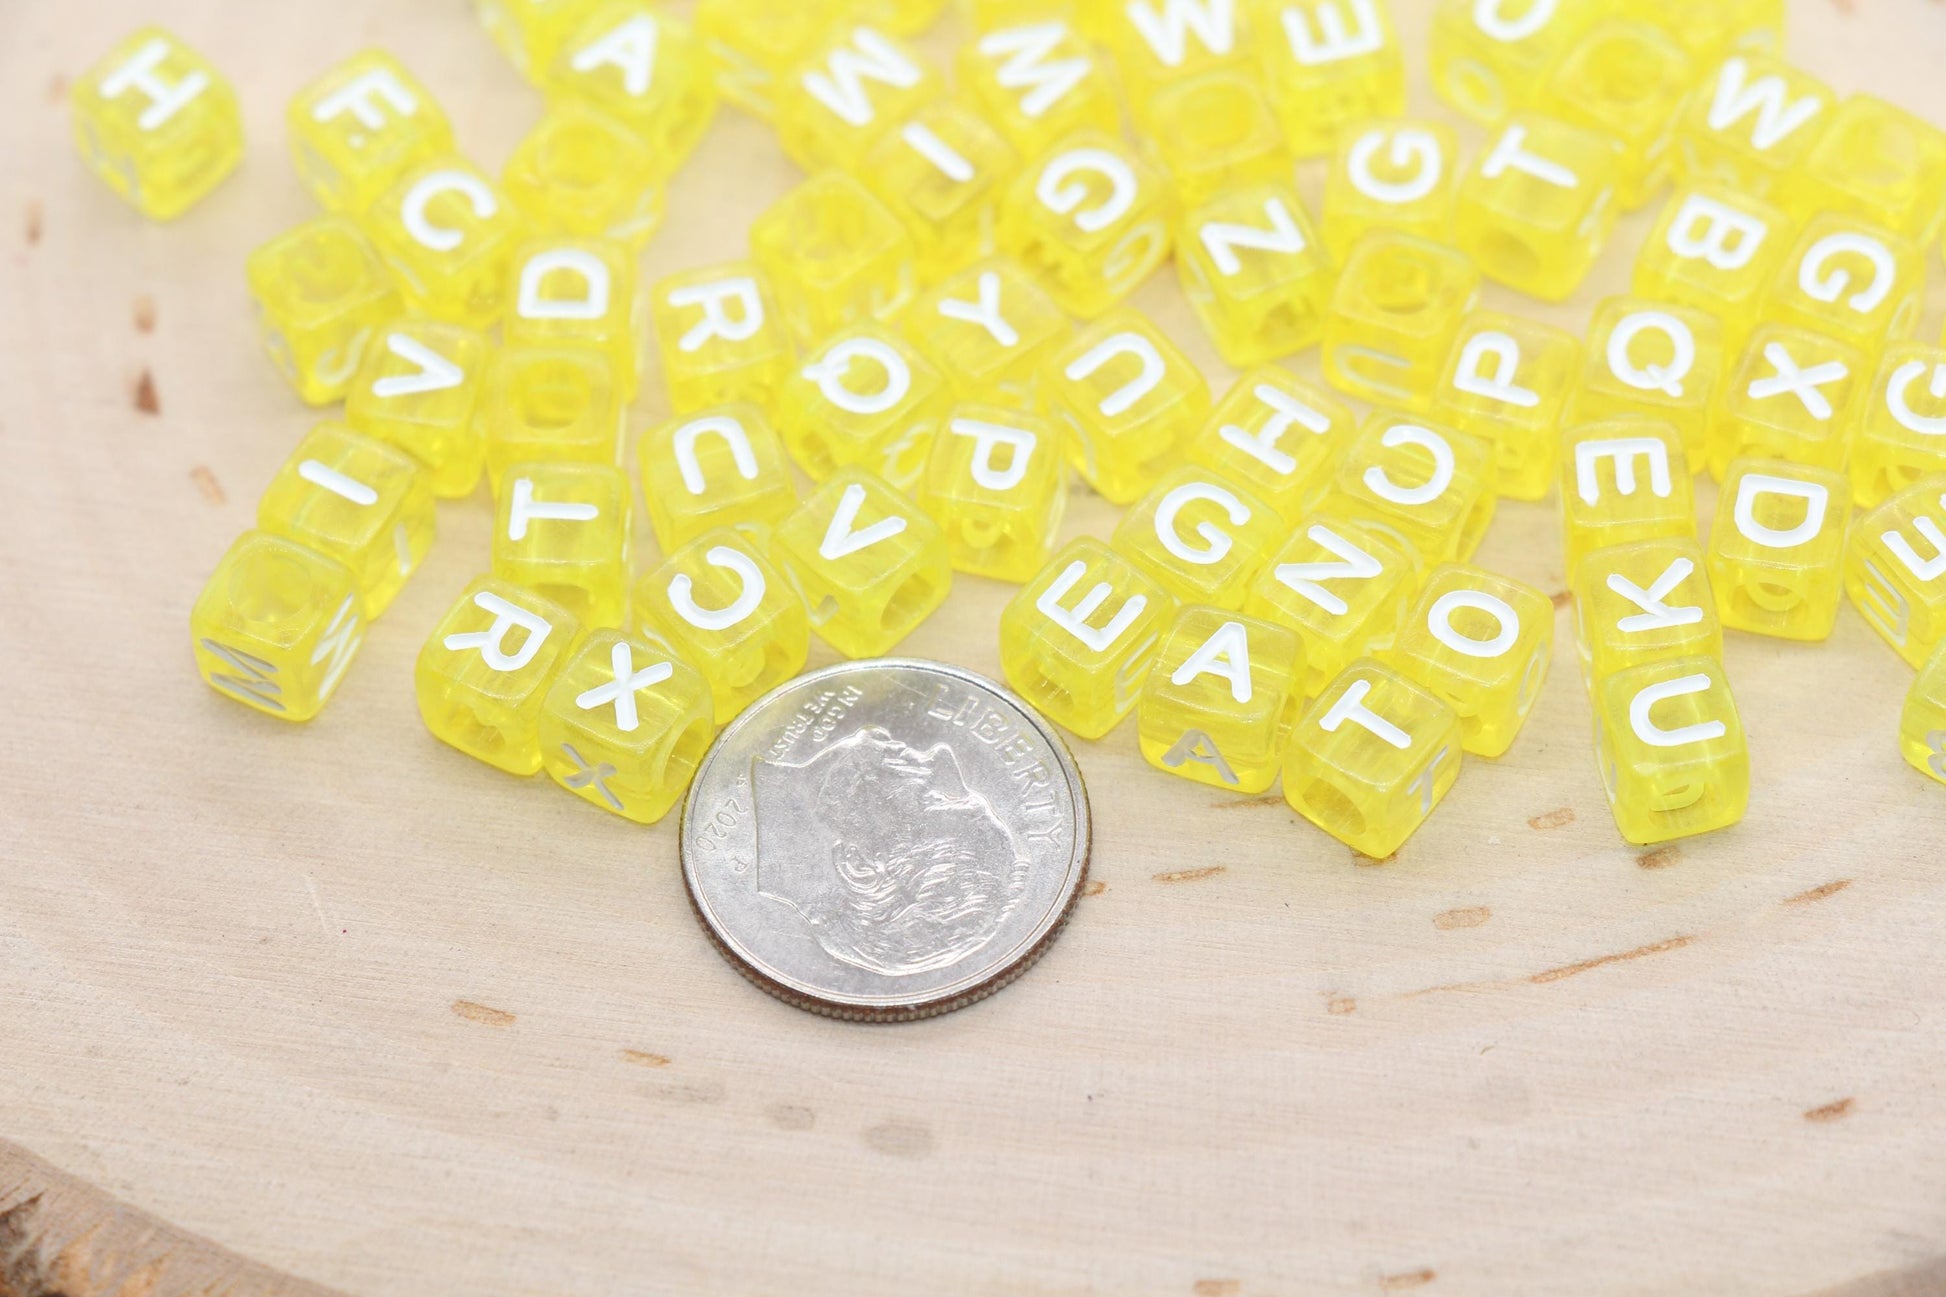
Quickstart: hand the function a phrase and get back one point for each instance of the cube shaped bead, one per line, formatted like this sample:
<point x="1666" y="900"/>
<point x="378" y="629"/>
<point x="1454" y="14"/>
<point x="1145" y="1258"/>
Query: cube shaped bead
<point x="905" y="17"/>
<point x="1393" y="318"/>
<point x="1214" y="133"/>
<point x="643" y="68"/>
<point x="580" y="174"/>
<point x="1277" y="436"/>
<point x="1492" y="59"/>
<point x="1656" y="359"/>
<point x="1128" y="398"/>
<point x="321" y="293"/>
<point x="1157" y="45"/>
<point x="1875" y="163"/>
<point x="419" y="389"/>
<point x="483" y="674"/>
<point x="276" y="625"/>
<point x="562" y="531"/>
<point x="1255" y="272"/>
<point x="1796" y="395"/>
<point x="1630" y="80"/>
<point x="864" y="397"/>
<point x="1039" y="80"/>
<point x="357" y="129"/>
<point x="1431" y="487"/>
<point x="550" y="404"/>
<point x="1644" y="602"/>
<point x="1201" y="538"/>
<point x="1623" y="480"/>
<point x="531" y="32"/>
<point x="1895" y="569"/>
<point x="1901" y="430"/>
<point x="1510" y="381"/>
<point x="1343" y="586"/>
<point x="158" y="123"/>
<point x="834" y="254"/>
<point x="1922" y="724"/>
<point x="1371" y="757"/>
<point x="860" y="83"/>
<point x="1673" y="757"/>
<point x="996" y="483"/>
<point x="1221" y="699"/>
<point x="1482" y="644"/>
<point x="721" y="336"/>
<point x="448" y="234"/>
<point x="1749" y="123"/>
<point x="754" y="43"/>
<point x="625" y="724"/>
<point x="1395" y="174"/>
<point x="1078" y="639"/>
<point x="989" y="329"/>
<point x="1851" y="280"/>
<point x="1089" y="220"/>
<point x="356" y="500"/>
<point x="1709" y="32"/>
<point x="1536" y="209"/>
<point x="868" y="563"/>
<point x="722" y="467"/>
<point x="578" y="292"/>
<point x="726" y="607"/>
<point x="1716" y="251"/>
<point x="943" y="172"/>
<point x="1776" y="555"/>
<point x="1328" y="63"/>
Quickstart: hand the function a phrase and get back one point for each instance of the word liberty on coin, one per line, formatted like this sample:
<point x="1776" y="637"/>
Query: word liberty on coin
<point x="885" y="840"/>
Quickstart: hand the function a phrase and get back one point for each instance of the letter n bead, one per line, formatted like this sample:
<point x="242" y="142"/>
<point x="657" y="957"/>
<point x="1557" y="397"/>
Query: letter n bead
<point x="625" y="724"/>
<point x="1482" y="643"/>
<point x="1220" y="700"/>
<point x="1672" y="751"/>
<point x="158" y="123"/>
<point x="1776" y="555"/>
<point x="483" y="674"/>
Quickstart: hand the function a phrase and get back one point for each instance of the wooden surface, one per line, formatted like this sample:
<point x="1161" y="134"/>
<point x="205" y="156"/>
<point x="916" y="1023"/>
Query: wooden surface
<point x="376" y="1017"/>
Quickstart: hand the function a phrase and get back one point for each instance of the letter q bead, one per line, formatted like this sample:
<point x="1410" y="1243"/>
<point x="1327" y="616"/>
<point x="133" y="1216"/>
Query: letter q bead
<point x="624" y="725"/>
<point x="1776" y="554"/>
<point x="1672" y="751"/>
<point x="482" y="676"/>
<point x="1655" y="359"/>
<point x="728" y="609"/>
<point x="158" y="123"/>
<point x="1483" y="644"/>
<point x="1221" y="699"/>
<point x="276" y="625"/>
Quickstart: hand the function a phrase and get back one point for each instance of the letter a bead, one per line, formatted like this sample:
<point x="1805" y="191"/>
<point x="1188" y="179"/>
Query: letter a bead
<point x="1220" y="701"/>
<point x="1922" y="726"/>
<point x="158" y="123"/>
<point x="1672" y="752"/>
<point x="276" y="625"/>
<point x="483" y="674"/>
<point x="625" y="724"/>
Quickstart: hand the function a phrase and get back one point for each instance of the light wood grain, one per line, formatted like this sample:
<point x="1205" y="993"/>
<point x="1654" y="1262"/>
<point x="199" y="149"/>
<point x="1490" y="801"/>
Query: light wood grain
<point x="339" y="1000"/>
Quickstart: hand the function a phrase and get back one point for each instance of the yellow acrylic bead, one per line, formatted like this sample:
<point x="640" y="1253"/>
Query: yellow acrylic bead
<point x="1129" y="400"/>
<point x="321" y="293"/>
<point x="1875" y="163"/>
<point x="847" y="93"/>
<point x="1749" y="124"/>
<point x="1201" y="538"/>
<point x="1481" y="644"/>
<point x="448" y="234"/>
<point x="1776" y="555"/>
<point x="1644" y="602"/>
<point x="944" y="173"/>
<point x="483" y="674"/>
<point x="419" y="390"/>
<point x="625" y="724"/>
<point x="1717" y="251"/>
<point x="356" y="500"/>
<point x="721" y="467"/>
<point x="989" y="15"/>
<point x="158" y="123"/>
<point x="834" y="254"/>
<point x="562" y="531"/>
<point x="1158" y="44"/>
<point x="721" y="336"/>
<point x="581" y="174"/>
<point x="728" y="609"/>
<point x="1901" y="431"/>
<point x="864" y="397"/>
<point x="1630" y="81"/>
<point x="1342" y="585"/>
<point x="276" y="625"/>
<point x="1038" y="82"/>
<point x="1895" y="569"/>
<point x="1430" y="486"/>
<point x="644" y="68"/>
<point x="1394" y="315"/>
<point x="1852" y="280"/>
<point x="1089" y="220"/>
<point x="1537" y="207"/>
<point x="1253" y="269"/>
<point x="1794" y="396"/>
<point x="1221" y="699"/>
<point x="1393" y="175"/>
<point x="1672" y="752"/>
<point x="1371" y="757"/>
<point x="1623" y="480"/>
<point x="552" y="404"/>
<point x="1212" y="134"/>
<point x="1077" y="640"/>
<point x="1922" y="725"/>
<point x="361" y="126"/>
<point x="906" y="17"/>
<point x="1277" y="436"/>
<point x="996" y="483"/>
<point x="1711" y="31"/>
<point x="578" y="292"/>
<point x="754" y="43"/>
<point x="868" y="563"/>
<point x="530" y="32"/>
<point x="1327" y="64"/>
<point x="1511" y="381"/>
<point x="1658" y="359"/>
<point x="1491" y="58"/>
<point x="990" y="330"/>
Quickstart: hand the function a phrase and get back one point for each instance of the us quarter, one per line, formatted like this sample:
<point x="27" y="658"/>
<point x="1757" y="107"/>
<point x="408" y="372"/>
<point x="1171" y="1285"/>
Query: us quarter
<point x="885" y="840"/>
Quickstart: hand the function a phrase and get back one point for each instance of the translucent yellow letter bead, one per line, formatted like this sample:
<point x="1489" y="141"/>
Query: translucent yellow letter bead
<point x="1536" y="209"/>
<point x="644" y="68"/>
<point x="989" y="329"/>
<point x="1795" y="396"/>
<point x="1214" y="133"/>
<point x="1657" y="359"/>
<point x="944" y="173"/>
<point x="1749" y="124"/>
<point x="1201" y="538"/>
<point x="448" y="235"/>
<point x="1776" y="555"/>
<point x="849" y="91"/>
<point x="1129" y="400"/>
<point x="1922" y="726"/>
<point x="1341" y="584"/>
<point x="834" y="255"/>
<point x="1711" y="31"/>
<point x="1397" y="308"/>
<point x="864" y="397"/>
<point x="1672" y="752"/>
<point x="1277" y="436"/>
<point x="1644" y="602"/>
<point x="581" y="174"/>
<point x="1491" y="57"/>
<point x="1895" y="569"/>
<point x="755" y="42"/>
<point x="581" y="292"/>
<point x="1482" y="644"/>
<point x="1716" y="251"/>
<point x="1901" y="434"/>
<point x="868" y="563"/>
<point x="361" y="126"/>
<point x="725" y="607"/>
<point x="1221" y="699"/>
<point x="722" y="467"/>
<point x="1078" y="639"/>
<point x="419" y="389"/>
<point x="996" y="483"/>
<point x="483" y="674"/>
<point x="1432" y="486"/>
<point x="1371" y="757"/>
<point x="1254" y="270"/>
<point x="1874" y="163"/>
<point x="321" y="293"/>
<point x="1391" y="175"/>
<point x="158" y="123"/>
<point x="1631" y="81"/>
<point x="550" y="404"/>
<point x="1623" y="480"/>
<point x="906" y="17"/>
<point x="356" y="500"/>
<point x="721" y="336"/>
<point x="625" y="724"/>
<point x="276" y="625"/>
<point x="1510" y="381"/>
<point x="1327" y="64"/>
<point x="1039" y="82"/>
<point x="529" y="32"/>
<point x="1089" y="220"/>
<point x="1854" y="281"/>
<point x="561" y="530"/>
<point x="1162" y="43"/>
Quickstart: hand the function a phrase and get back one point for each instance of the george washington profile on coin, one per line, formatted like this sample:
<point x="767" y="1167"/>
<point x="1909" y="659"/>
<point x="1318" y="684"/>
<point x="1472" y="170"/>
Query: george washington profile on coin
<point x="892" y="863"/>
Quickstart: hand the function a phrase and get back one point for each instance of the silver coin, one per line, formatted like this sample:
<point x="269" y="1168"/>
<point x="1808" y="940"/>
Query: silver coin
<point x="885" y="840"/>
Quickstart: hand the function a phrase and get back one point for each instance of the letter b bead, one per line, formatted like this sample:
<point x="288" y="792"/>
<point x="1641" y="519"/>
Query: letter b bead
<point x="625" y="724"/>
<point x="1220" y="700"/>
<point x="1672" y="751"/>
<point x="157" y="123"/>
